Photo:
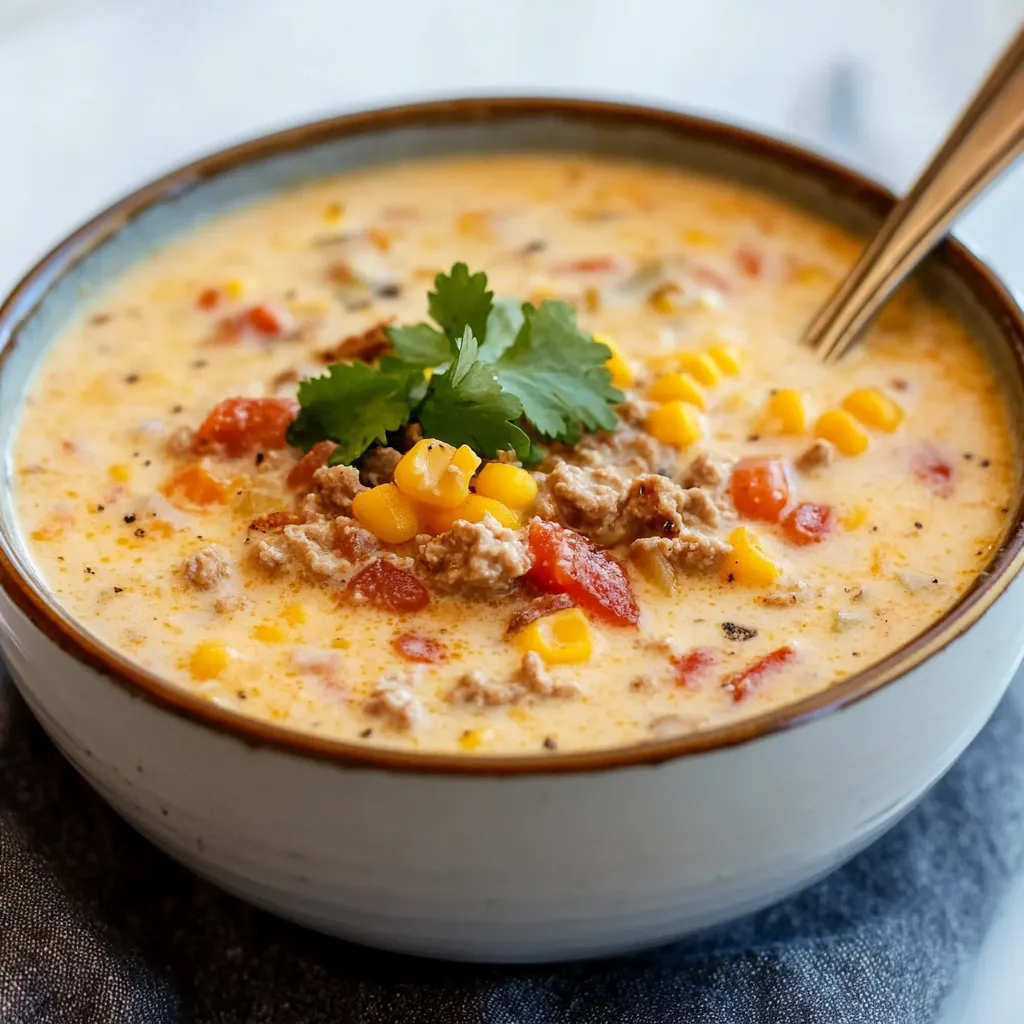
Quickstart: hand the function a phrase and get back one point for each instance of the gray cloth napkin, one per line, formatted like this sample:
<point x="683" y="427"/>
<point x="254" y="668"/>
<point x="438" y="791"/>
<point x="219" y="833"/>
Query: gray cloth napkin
<point x="96" y="926"/>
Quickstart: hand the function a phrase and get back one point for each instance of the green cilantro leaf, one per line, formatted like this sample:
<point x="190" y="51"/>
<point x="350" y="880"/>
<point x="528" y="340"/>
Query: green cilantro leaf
<point x="557" y="371"/>
<point x="460" y="300"/>
<point x="466" y="405"/>
<point x="353" y="405"/>
<point x="503" y="326"/>
<point x="420" y="344"/>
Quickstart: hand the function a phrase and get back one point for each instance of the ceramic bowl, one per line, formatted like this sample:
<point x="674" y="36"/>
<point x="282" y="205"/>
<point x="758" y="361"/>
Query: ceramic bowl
<point x="503" y="858"/>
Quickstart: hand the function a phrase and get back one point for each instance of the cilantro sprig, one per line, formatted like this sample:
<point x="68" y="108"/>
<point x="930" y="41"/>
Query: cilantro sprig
<point x="501" y="372"/>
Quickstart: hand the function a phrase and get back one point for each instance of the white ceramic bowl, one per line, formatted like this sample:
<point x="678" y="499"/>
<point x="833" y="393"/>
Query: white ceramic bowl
<point x="504" y="858"/>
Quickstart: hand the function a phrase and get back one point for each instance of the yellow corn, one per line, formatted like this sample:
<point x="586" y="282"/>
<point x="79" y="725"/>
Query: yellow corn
<point x="333" y="212"/>
<point x="874" y="409"/>
<point x="436" y="474"/>
<point x="208" y="660"/>
<point x="700" y="239"/>
<point x="839" y="427"/>
<point x="511" y="485"/>
<point x="474" y="739"/>
<point x="120" y="473"/>
<point x="472" y="510"/>
<point x="234" y="288"/>
<point x="727" y="359"/>
<point x="677" y="423"/>
<point x="616" y="364"/>
<point x="562" y="638"/>
<point x="786" y="412"/>
<point x="681" y="386"/>
<point x="387" y="513"/>
<point x="747" y="563"/>
<point x="854" y="518"/>
<point x="268" y="633"/>
<point x="702" y="367"/>
<point x="665" y="298"/>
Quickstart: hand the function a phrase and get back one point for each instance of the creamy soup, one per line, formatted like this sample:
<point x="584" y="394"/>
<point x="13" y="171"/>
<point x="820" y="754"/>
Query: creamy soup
<point x="744" y="528"/>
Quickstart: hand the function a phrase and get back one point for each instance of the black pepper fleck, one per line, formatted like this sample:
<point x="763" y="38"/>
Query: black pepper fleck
<point x="730" y="578"/>
<point x="734" y="631"/>
<point x="985" y="463"/>
<point x="968" y="456"/>
<point x="100" y="508"/>
<point x="130" y="518"/>
<point x="918" y="526"/>
<point x="242" y="695"/>
<point x="140" y="532"/>
<point x="90" y="571"/>
<point x="259" y="458"/>
<point x="118" y="590"/>
<point x="99" y="318"/>
<point x="537" y="245"/>
<point x="389" y="291"/>
<point x="177" y="409"/>
<point x="550" y="743"/>
<point x="874" y="529"/>
<point x="366" y="734"/>
<point x="198" y="364"/>
<point x="752" y="438"/>
<point x="132" y="378"/>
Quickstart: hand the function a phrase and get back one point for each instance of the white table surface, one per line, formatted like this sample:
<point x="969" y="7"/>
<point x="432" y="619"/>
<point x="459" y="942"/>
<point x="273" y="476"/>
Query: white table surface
<point x="98" y="95"/>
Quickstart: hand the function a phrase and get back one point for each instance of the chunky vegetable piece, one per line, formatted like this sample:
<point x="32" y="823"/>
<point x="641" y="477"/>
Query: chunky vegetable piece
<point x="194" y="485"/>
<point x="387" y="513"/>
<point x="702" y="367"/>
<point x="616" y="364"/>
<point x="562" y="638"/>
<point x="240" y="426"/>
<point x="436" y="474"/>
<point x="694" y="666"/>
<point x="874" y="409"/>
<point x="809" y="523"/>
<point x="728" y="359"/>
<point x="760" y="488"/>
<point x="384" y="585"/>
<point x="676" y="423"/>
<point x="934" y="470"/>
<point x="840" y="427"/>
<point x="473" y="510"/>
<point x="743" y="683"/>
<point x="421" y="648"/>
<point x="786" y="412"/>
<point x="565" y="562"/>
<point x="511" y="485"/>
<point x="747" y="563"/>
<point x="681" y="386"/>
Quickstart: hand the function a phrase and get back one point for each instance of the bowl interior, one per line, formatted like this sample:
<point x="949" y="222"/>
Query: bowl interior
<point x="56" y="291"/>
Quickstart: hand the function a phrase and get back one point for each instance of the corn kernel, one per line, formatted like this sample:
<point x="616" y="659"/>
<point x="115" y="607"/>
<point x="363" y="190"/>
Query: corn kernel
<point x="379" y="239"/>
<point x="511" y="485"/>
<point x="616" y="364"/>
<point x="435" y="473"/>
<point x="678" y="386"/>
<point x="267" y="633"/>
<point x="472" y="510"/>
<point x="786" y="412"/>
<point x="727" y="359"/>
<point x="293" y="614"/>
<point x="677" y="423"/>
<point x="209" y="660"/>
<point x="234" y="288"/>
<point x="874" y="409"/>
<point x="747" y="563"/>
<point x="333" y="212"/>
<point x="562" y="638"/>
<point x="700" y="239"/>
<point x="387" y="513"/>
<point x="474" y="739"/>
<point x="666" y="298"/>
<point x="120" y="473"/>
<point x="702" y="367"/>
<point x="854" y="518"/>
<point x="839" y="427"/>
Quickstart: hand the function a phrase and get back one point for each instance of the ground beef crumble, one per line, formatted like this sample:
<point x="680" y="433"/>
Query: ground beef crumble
<point x="658" y="506"/>
<point x="207" y="568"/>
<point x="476" y="558"/>
<point x="820" y="454"/>
<point x="378" y="465"/>
<point x="329" y="548"/>
<point x="689" y="551"/>
<point x="477" y="689"/>
<point x="336" y="486"/>
<point x="590" y="499"/>
<point x="392" y="699"/>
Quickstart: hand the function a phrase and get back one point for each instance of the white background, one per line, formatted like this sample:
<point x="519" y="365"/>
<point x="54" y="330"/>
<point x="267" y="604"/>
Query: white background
<point x="98" y="95"/>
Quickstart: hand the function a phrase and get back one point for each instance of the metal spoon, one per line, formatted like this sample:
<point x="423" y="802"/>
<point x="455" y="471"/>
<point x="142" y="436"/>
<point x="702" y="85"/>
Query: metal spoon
<point x="982" y="144"/>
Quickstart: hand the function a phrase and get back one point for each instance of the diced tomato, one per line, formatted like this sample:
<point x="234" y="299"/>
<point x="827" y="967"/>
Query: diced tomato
<point x="418" y="647"/>
<point x="760" y="488"/>
<point x="566" y="562"/>
<point x="588" y="265"/>
<point x="193" y="485"/>
<point x="742" y="684"/>
<point x="239" y="426"/>
<point x="750" y="261"/>
<point x="933" y="469"/>
<point x="384" y="585"/>
<point x="264" y="321"/>
<point x="809" y="523"/>
<point x="209" y="298"/>
<point x="694" y="664"/>
<point x="301" y="474"/>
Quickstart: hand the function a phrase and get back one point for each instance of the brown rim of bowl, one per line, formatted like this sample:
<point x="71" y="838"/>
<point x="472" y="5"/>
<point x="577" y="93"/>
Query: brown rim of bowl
<point x="73" y="639"/>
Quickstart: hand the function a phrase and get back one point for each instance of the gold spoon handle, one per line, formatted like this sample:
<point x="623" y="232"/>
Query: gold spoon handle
<point x="986" y="139"/>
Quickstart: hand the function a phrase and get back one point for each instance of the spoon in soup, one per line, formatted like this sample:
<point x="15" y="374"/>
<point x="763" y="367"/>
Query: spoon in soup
<point x="985" y="140"/>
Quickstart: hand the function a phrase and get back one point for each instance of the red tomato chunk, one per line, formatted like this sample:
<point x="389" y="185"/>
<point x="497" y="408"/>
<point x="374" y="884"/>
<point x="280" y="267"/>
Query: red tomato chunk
<point x="384" y="585"/>
<point x="209" y="298"/>
<point x="933" y="469"/>
<point x="760" y="488"/>
<point x="418" y="647"/>
<point x="589" y="265"/>
<point x="301" y="474"/>
<point x="694" y="664"/>
<point x="750" y="261"/>
<point x="809" y="523"/>
<point x="742" y="684"/>
<point x="566" y="562"/>
<point x="240" y="426"/>
<point x="263" y="321"/>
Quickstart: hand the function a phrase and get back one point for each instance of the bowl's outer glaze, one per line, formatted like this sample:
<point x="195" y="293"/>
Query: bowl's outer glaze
<point x="540" y="859"/>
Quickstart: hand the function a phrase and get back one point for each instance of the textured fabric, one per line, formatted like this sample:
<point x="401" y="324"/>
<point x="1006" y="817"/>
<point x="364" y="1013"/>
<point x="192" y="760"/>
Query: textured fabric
<point x="96" y="926"/>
